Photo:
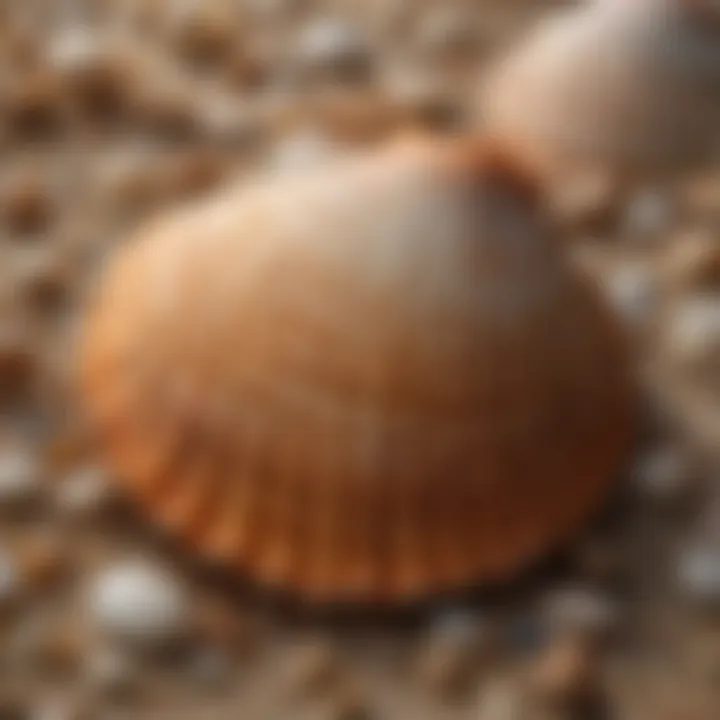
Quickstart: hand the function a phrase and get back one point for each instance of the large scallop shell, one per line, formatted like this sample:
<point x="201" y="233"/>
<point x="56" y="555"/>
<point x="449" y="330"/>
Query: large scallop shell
<point x="373" y="382"/>
<point x="626" y="86"/>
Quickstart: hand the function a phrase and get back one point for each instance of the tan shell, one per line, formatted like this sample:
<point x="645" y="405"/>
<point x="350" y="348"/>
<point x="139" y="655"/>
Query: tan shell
<point x="629" y="87"/>
<point x="375" y="381"/>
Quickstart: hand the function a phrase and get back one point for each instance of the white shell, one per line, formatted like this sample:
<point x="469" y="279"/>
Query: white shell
<point x="629" y="87"/>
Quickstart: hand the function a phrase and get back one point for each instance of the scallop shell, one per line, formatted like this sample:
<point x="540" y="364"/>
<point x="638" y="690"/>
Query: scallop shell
<point x="576" y="92"/>
<point x="376" y="381"/>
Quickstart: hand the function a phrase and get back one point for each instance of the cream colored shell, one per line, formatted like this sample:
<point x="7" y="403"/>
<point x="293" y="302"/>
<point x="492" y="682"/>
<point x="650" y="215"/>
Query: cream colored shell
<point x="628" y="87"/>
<point x="376" y="381"/>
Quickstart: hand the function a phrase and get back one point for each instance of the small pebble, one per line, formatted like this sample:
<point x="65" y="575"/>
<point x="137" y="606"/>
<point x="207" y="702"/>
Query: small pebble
<point x="204" y="34"/>
<point x="567" y="678"/>
<point x="590" y="205"/>
<point x="129" y="182"/>
<point x="244" y="70"/>
<point x="93" y="71"/>
<point x="142" y="17"/>
<point x="47" y="644"/>
<point x="445" y="671"/>
<point x="347" y="704"/>
<point x="111" y="675"/>
<point x="354" y="118"/>
<point x="14" y="709"/>
<point x="311" y="669"/>
<point x="63" y="709"/>
<point x="19" y="370"/>
<point x="448" y="33"/>
<point x="500" y="699"/>
<point x="26" y="205"/>
<point x="664" y="475"/>
<point x="330" y="46"/>
<point x="141" y="605"/>
<point x="581" y="610"/>
<point x="601" y="561"/>
<point x="170" y="117"/>
<point x="35" y="108"/>
<point x="194" y="174"/>
<point x="273" y="9"/>
<point x="211" y="667"/>
<point x="693" y="332"/>
<point x="649" y="215"/>
<point x="527" y="634"/>
<point x="11" y="586"/>
<point x="228" y="124"/>
<point x="44" y="281"/>
<point x="302" y="150"/>
<point x="47" y="292"/>
<point x="702" y="653"/>
<point x="390" y="18"/>
<point x="20" y="477"/>
<point x="423" y="100"/>
<point x="224" y="626"/>
<point x="85" y="493"/>
<point x="632" y="290"/>
<point x="455" y="645"/>
<point x="43" y="563"/>
<point x="460" y="629"/>
<point x="21" y="47"/>
<point x="59" y="653"/>
<point x="698" y="571"/>
<point x="692" y="262"/>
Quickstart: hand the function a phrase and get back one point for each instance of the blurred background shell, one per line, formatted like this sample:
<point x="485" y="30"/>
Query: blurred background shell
<point x="628" y="88"/>
<point x="377" y="380"/>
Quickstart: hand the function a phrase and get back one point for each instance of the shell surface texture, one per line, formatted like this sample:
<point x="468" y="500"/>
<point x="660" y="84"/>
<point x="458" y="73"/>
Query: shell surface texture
<point x="632" y="87"/>
<point x="377" y="381"/>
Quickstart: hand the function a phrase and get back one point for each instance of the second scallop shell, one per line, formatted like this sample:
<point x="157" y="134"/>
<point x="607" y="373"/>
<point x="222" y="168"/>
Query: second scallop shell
<point x="377" y="381"/>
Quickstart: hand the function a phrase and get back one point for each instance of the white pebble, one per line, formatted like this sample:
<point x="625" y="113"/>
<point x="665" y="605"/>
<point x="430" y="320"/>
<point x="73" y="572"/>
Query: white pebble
<point x="698" y="570"/>
<point x="140" y="604"/>
<point x="85" y="492"/>
<point x="20" y="477"/>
